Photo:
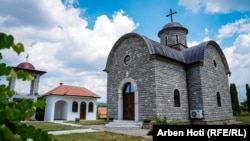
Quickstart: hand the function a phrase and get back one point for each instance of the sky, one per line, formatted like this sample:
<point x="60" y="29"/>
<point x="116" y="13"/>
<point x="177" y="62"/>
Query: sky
<point x="71" y="39"/>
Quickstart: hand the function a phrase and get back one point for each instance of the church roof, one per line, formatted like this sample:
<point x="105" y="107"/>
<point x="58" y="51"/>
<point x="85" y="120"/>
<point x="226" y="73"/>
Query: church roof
<point x="67" y="90"/>
<point x="187" y="56"/>
<point x="172" y="26"/>
<point x="26" y="65"/>
<point x="160" y="49"/>
<point x="102" y="110"/>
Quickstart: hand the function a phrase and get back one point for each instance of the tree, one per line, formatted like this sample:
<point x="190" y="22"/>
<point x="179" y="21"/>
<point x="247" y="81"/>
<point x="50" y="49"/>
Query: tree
<point x="40" y="111"/>
<point x="12" y="113"/>
<point x="248" y="97"/>
<point x="243" y="105"/>
<point x="234" y="99"/>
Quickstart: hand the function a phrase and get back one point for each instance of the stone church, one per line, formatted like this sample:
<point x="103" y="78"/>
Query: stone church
<point x="167" y="78"/>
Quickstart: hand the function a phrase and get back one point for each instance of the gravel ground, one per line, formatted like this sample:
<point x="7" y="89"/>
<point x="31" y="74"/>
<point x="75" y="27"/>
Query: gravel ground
<point x="123" y="130"/>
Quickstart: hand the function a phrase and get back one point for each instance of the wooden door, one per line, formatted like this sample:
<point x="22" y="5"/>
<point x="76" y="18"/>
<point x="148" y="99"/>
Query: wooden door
<point x="128" y="106"/>
<point x="83" y="111"/>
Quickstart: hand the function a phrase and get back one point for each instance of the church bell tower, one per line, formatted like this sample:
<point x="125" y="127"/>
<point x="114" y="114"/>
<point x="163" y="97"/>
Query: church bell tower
<point x="173" y="34"/>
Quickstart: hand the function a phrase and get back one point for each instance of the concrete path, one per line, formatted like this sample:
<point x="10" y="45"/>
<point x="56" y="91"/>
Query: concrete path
<point x="65" y="123"/>
<point x="85" y="130"/>
<point x="72" y="131"/>
<point x="99" y="128"/>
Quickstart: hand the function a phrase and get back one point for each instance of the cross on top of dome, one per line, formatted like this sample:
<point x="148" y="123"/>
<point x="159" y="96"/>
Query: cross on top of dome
<point x="171" y="14"/>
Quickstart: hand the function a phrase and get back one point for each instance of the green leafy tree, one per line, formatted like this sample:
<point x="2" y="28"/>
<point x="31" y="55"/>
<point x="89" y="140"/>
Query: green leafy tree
<point x="13" y="112"/>
<point x="234" y="98"/>
<point x="243" y="105"/>
<point x="248" y="97"/>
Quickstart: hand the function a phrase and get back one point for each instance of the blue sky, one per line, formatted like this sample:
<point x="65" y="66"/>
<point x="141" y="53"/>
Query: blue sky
<point x="71" y="39"/>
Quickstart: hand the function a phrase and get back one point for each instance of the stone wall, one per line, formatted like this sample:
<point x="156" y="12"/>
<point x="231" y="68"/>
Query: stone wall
<point x="140" y="69"/>
<point x="171" y="76"/>
<point x="215" y="80"/>
<point x="205" y="80"/>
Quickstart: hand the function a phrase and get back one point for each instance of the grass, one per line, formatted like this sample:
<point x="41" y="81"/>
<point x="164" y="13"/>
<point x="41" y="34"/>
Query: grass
<point x="244" y="117"/>
<point x="92" y="136"/>
<point x="49" y="126"/>
<point x="100" y="136"/>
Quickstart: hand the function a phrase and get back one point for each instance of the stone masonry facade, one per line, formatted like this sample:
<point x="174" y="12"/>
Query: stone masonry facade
<point x="156" y="71"/>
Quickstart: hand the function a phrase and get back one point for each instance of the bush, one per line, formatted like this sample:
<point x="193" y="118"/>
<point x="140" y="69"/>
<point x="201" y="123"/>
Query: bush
<point x="160" y="120"/>
<point x="13" y="112"/>
<point x="146" y="120"/>
<point x="157" y="120"/>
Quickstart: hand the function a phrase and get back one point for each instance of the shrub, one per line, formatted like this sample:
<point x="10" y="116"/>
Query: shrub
<point x="146" y="120"/>
<point x="13" y="112"/>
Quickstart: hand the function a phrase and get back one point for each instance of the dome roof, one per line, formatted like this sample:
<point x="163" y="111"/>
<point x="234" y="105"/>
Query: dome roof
<point x="172" y="24"/>
<point x="25" y="65"/>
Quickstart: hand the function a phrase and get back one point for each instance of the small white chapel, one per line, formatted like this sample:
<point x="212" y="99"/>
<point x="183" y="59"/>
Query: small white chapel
<point x="67" y="102"/>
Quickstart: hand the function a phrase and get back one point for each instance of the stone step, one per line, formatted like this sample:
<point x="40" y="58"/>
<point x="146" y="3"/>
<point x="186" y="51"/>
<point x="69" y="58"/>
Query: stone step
<point x="124" y="123"/>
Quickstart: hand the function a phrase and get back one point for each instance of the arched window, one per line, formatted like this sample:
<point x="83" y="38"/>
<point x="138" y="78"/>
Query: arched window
<point x="128" y="88"/>
<point x="74" y="106"/>
<point x="166" y="40"/>
<point x="177" y="39"/>
<point x="177" y="98"/>
<point x="91" y="107"/>
<point x="214" y="62"/>
<point x="218" y="99"/>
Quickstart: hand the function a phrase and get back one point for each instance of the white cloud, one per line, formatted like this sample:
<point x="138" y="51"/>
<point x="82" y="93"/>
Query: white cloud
<point x="239" y="64"/>
<point x="59" y="42"/>
<point x="206" y="30"/>
<point x="238" y="54"/>
<point x="238" y="27"/>
<point x="215" y="6"/>
<point x="194" y="43"/>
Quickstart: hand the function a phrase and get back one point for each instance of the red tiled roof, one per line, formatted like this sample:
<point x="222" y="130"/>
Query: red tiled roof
<point x="67" y="90"/>
<point x="102" y="110"/>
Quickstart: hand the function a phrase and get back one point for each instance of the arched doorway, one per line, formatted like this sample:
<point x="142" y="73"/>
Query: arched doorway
<point x="60" y="110"/>
<point x="83" y="111"/>
<point x="128" y="102"/>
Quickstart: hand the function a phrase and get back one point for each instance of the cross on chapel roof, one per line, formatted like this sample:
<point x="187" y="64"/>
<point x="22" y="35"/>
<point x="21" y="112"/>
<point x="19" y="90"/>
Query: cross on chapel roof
<point x="27" y="57"/>
<point x="171" y="14"/>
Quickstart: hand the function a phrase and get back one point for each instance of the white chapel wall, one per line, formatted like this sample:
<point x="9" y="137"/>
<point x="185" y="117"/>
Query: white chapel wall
<point x="64" y="111"/>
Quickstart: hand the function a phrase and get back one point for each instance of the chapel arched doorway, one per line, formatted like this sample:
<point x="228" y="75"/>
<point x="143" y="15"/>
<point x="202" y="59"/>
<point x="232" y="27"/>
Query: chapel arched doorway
<point x="83" y="111"/>
<point x="128" y="102"/>
<point x="60" y="110"/>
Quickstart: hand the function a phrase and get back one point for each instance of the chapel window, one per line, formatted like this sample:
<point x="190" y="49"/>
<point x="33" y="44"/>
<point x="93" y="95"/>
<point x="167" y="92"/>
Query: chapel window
<point x="218" y="99"/>
<point x="177" y="98"/>
<point x="74" y="106"/>
<point x="128" y="88"/>
<point x="177" y="39"/>
<point x="91" y="107"/>
<point x="166" y="40"/>
<point x="127" y="60"/>
<point x="214" y="62"/>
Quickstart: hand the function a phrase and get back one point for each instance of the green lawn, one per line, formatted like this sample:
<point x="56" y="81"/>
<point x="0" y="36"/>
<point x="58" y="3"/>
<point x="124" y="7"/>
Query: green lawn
<point x="103" y="136"/>
<point x="49" y="126"/>
<point x="244" y="117"/>
<point x="95" y="136"/>
<point x="100" y="136"/>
